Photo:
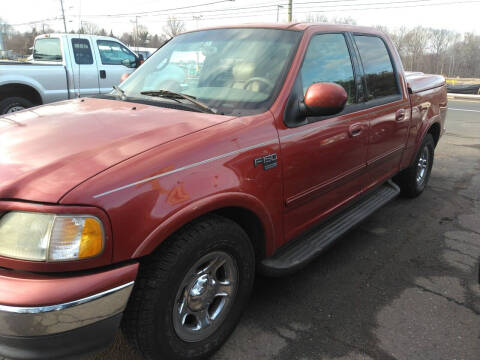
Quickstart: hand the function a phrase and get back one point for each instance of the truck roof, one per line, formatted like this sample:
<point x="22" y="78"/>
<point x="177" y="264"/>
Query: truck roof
<point x="68" y="35"/>
<point x="299" y="26"/>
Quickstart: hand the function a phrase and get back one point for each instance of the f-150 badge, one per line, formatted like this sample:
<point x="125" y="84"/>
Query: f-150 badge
<point x="268" y="161"/>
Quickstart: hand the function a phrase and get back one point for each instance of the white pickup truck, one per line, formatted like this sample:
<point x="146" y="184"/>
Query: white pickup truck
<point x="64" y="66"/>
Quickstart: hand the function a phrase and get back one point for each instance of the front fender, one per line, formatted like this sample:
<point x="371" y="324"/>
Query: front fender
<point x="204" y="206"/>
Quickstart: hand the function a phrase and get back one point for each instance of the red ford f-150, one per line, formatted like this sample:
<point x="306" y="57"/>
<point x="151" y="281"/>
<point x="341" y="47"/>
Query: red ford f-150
<point x="230" y="150"/>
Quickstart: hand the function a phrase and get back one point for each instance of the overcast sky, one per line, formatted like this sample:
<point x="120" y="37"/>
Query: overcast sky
<point x="461" y="16"/>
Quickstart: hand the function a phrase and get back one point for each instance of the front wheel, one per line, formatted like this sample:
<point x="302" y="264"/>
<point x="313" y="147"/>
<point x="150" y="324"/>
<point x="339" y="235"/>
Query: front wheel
<point x="414" y="179"/>
<point x="190" y="294"/>
<point x="14" y="104"/>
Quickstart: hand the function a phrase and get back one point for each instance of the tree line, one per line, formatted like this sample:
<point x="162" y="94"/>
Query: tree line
<point x="436" y="51"/>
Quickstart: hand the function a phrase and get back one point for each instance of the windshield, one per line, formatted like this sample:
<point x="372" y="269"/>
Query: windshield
<point x="233" y="71"/>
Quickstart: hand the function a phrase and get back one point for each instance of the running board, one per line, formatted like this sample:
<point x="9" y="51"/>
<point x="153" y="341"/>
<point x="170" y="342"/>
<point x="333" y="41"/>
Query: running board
<point x="304" y="249"/>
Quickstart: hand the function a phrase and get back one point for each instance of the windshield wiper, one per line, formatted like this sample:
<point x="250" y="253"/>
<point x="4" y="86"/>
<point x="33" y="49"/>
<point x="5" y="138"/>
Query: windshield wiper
<point x="175" y="96"/>
<point x="120" y="91"/>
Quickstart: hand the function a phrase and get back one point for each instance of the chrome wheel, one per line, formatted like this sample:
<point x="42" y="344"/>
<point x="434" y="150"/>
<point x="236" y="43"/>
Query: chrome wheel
<point x="205" y="296"/>
<point x="15" y="109"/>
<point x="422" y="165"/>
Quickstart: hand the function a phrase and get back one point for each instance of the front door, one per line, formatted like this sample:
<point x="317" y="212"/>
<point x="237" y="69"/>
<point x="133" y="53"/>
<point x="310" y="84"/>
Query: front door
<point x="323" y="158"/>
<point x="114" y="61"/>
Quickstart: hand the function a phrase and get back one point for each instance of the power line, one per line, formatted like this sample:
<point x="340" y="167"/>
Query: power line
<point x="273" y="11"/>
<point x="266" y="9"/>
<point x="274" y="7"/>
<point x="162" y="10"/>
<point x="33" y="22"/>
<point x="234" y="13"/>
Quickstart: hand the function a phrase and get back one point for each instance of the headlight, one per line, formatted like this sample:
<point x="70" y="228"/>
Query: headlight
<point x="49" y="237"/>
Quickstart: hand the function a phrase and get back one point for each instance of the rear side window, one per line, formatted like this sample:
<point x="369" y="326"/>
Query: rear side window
<point x="47" y="49"/>
<point x="114" y="53"/>
<point x="378" y="67"/>
<point x="82" y="51"/>
<point x="328" y="60"/>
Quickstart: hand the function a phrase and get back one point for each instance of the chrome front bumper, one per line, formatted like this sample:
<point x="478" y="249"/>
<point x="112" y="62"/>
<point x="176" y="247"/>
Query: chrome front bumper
<point x="55" y="319"/>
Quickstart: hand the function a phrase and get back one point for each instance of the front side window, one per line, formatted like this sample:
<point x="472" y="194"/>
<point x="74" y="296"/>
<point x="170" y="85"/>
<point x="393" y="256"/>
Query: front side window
<point x="47" y="49"/>
<point x="114" y="53"/>
<point x="231" y="70"/>
<point x="82" y="51"/>
<point x="379" y="73"/>
<point x="328" y="60"/>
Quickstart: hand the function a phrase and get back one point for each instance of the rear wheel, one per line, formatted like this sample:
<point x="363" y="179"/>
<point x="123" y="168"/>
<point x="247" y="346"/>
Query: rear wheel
<point x="414" y="179"/>
<point x="191" y="293"/>
<point x="14" y="104"/>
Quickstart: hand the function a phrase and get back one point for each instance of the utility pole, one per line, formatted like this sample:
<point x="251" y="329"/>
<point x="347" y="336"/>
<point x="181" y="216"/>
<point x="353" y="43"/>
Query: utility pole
<point x="63" y="16"/>
<point x="278" y="8"/>
<point x="136" y="30"/>
<point x="290" y="5"/>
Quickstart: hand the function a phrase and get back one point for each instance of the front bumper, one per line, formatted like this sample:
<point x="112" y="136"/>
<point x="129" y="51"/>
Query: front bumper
<point x="72" y="325"/>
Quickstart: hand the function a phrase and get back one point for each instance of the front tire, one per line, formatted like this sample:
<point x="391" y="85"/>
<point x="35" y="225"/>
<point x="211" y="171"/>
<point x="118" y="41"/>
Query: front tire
<point x="191" y="292"/>
<point x="14" y="104"/>
<point x="414" y="179"/>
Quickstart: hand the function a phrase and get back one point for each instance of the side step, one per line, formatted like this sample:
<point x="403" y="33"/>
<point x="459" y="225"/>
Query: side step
<point x="304" y="249"/>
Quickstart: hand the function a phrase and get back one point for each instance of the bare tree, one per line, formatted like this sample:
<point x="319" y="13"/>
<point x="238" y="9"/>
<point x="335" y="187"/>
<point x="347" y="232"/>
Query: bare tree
<point x="399" y="39"/>
<point x="127" y="38"/>
<point x="142" y="36"/>
<point x="416" y="45"/>
<point x="440" y="40"/>
<point x="174" y="27"/>
<point x="316" y="18"/>
<point x="89" y="28"/>
<point x="157" y="40"/>
<point x="344" y="20"/>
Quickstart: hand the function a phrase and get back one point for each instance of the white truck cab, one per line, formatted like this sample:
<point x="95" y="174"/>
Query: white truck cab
<point x="64" y="66"/>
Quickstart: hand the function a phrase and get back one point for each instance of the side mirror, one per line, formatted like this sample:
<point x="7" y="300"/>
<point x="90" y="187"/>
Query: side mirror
<point x="139" y="61"/>
<point x="324" y="99"/>
<point x="127" y="63"/>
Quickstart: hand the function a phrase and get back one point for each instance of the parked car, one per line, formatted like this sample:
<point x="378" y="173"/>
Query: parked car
<point x="153" y="206"/>
<point x="64" y="66"/>
<point x="144" y="52"/>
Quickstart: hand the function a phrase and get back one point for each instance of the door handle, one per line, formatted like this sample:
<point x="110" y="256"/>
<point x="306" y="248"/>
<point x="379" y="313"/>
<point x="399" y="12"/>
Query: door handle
<point x="400" y="115"/>
<point x="103" y="74"/>
<point x="355" y="129"/>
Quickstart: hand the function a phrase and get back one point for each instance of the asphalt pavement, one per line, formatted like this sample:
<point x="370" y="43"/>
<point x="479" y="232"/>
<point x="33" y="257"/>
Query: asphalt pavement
<point x="402" y="285"/>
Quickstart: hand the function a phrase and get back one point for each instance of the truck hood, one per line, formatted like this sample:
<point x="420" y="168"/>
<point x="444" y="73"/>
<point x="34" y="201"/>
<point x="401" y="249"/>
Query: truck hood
<point x="48" y="150"/>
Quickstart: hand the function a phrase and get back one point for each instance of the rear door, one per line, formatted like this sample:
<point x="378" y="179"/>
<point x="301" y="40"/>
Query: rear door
<point x="323" y="158"/>
<point x="83" y="66"/>
<point x="115" y="60"/>
<point x="388" y="108"/>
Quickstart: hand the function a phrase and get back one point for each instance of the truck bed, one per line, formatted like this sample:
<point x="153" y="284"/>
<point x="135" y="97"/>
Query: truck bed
<point x="418" y="81"/>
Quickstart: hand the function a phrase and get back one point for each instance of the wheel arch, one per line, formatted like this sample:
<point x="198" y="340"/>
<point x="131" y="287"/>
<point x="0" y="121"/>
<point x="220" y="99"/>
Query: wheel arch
<point x="434" y="130"/>
<point x="245" y="210"/>
<point x="21" y="90"/>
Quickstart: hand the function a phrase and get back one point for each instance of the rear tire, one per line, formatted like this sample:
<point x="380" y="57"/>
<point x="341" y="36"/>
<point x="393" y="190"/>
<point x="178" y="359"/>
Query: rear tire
<point x="182" y="306"/>
<point x="414" y="179"/>
<point x="14" y="104"/>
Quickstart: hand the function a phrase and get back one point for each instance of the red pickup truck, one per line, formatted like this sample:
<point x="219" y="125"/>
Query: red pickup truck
<point x="230" y="150"/>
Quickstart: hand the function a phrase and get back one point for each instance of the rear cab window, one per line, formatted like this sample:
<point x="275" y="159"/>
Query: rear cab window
<point x="82" y="51"/>
<point x="380" y="75"/>
<point x="47" y="49"/>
